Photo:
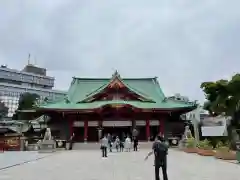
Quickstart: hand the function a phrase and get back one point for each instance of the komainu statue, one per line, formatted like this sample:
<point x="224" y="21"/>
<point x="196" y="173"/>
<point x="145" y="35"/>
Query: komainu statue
<point x="47" y="135"/>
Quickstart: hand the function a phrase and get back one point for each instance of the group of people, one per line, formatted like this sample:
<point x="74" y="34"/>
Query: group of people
<point x="109" y="142"/>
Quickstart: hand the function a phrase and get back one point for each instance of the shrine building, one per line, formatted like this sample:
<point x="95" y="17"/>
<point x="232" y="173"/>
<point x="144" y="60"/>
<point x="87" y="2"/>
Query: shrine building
<point x="97" y="106"/>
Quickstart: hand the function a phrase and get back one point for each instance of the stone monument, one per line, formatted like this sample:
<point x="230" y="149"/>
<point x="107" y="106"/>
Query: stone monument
<point x="47" y="145"/>
<point x="186" y="135"/>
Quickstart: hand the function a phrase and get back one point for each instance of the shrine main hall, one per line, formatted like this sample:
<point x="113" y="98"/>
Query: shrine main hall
<point x="119" y="106"/>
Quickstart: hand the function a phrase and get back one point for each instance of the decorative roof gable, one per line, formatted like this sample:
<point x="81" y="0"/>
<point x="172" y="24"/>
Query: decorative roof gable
<point x="116" y="82"/>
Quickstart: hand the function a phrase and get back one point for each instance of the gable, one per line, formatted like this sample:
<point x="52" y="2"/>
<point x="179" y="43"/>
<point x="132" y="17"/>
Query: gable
<point x="116" y="83"/>
<point x="82" y="88"/>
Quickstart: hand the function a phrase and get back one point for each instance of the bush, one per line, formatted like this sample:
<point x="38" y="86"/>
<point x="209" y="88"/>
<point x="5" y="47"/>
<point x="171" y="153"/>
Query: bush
<point x="205" y="144"/>
<point x="190" y="143"/>
<point x="219" y="144"/>
<point x="223" y="147"/>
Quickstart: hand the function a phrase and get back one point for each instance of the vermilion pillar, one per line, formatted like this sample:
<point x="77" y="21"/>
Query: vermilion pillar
<point x="161" y="127"/>
<point x="71" y="130"/>
<point x="148" y="130"/>
<point x="85" y="130"/>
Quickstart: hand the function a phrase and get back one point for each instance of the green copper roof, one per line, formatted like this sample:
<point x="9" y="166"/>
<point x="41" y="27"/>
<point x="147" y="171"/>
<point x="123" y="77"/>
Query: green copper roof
<point x="82" y="88"/>
<point x="137" y="104"/>
<point x="114" y="77"/>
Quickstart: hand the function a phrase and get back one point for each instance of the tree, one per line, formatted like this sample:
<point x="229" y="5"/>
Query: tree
<point x="3" y="110"/>
<point x="26" y="101"/>
<point x="223" y="97"/>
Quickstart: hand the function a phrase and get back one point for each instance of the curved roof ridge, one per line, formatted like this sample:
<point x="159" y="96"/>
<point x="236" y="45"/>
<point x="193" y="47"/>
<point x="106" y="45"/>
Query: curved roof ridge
<point x="143" y="78"/>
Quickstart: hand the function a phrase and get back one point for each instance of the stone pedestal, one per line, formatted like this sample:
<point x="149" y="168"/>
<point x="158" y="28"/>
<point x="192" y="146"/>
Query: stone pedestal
<point x="47" y="146"/>
<point x="182" y="143"/>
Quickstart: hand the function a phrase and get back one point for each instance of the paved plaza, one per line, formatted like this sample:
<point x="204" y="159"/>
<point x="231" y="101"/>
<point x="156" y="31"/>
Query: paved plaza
<point x="88" y="165"/>
<point x="11" y="158"/>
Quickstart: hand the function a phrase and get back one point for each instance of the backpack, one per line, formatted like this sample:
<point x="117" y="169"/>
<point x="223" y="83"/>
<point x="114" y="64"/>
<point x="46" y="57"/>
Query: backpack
<point x="160" y="150"/>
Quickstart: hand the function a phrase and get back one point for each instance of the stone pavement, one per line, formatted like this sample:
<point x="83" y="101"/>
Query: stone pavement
<point x="12" y="158"/>
<point x="88" y="165"/>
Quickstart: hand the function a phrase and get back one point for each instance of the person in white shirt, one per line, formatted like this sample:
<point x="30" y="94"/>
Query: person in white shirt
<point x="128" y="144"/>
<point x="104" y="145"/>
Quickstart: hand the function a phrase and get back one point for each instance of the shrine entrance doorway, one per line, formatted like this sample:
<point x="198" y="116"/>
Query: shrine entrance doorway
<point x="121" y="132"/>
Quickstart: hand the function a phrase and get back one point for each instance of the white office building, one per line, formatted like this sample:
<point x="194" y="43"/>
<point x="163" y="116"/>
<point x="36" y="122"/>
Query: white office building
<point x="31" y="79"/>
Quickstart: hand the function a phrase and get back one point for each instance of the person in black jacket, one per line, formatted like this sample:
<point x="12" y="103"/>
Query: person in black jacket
<point x="160" y="151"/>
<point x="71" y="142"/>
<point x="135" y="144"/>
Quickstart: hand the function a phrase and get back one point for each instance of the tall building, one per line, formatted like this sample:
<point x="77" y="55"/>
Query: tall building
<point x="31" y="79"/>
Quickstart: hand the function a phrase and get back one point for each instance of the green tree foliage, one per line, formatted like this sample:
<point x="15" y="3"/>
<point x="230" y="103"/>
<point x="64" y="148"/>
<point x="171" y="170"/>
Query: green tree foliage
<point x="26" y="101"/>
<point x="3" y="110"/>
<point x="223" y="97"/>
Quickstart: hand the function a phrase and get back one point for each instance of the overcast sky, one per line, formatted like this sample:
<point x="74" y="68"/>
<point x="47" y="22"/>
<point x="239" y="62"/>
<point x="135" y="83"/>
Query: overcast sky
<point x="182" y="42"/>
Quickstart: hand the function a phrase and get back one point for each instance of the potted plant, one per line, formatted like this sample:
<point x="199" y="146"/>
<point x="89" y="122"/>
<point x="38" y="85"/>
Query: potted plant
<point x="205" y="148"/>
<point x="190" y="146"/>
<point x="224" y="152"/>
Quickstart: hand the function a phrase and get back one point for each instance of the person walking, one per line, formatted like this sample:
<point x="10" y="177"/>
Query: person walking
<point x="109" y="138"/>
<point x="160" y="151"/>
<point x="117" y="143"/>
<point x="121" y="145"/>
<point x="127" y="144"/>
<point x="135" y="144"/>
<point x="71" y="142"/>
<point x="104" y="145"/>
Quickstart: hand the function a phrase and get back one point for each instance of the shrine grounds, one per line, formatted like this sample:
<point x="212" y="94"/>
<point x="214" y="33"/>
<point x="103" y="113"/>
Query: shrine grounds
<point x="89" y="165"/>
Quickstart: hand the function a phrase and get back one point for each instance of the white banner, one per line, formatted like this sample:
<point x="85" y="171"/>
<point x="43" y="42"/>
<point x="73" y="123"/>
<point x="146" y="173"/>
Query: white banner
<point x="92" y="123"/>
<point x="78" y="124"/>
<point x="140" y="123"/>
<point x="117" y="123"/>
<point x="154" y="123"/>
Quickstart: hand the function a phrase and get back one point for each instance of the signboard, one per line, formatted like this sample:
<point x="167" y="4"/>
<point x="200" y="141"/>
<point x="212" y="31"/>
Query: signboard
<point x="214" y="131"/>
<point x="12" y="143"/>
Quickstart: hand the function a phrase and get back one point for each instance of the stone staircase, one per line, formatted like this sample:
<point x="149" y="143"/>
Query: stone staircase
<point x="96" y="146"/>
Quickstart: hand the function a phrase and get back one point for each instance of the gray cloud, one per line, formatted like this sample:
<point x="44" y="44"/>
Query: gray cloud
<point x="181" y="42"/>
